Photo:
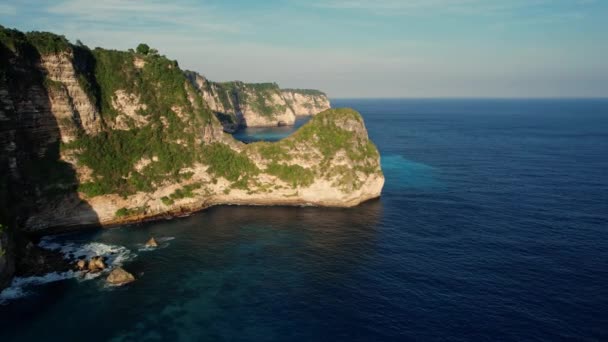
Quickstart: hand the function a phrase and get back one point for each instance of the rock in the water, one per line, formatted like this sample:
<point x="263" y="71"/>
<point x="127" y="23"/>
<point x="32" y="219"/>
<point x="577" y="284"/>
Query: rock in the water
<point x="119" y="276"/>
<point x="96" y="264"/>
<point x="36" y="261"/>
<point x="81" y="265"/>
<point x="151" y="243"/>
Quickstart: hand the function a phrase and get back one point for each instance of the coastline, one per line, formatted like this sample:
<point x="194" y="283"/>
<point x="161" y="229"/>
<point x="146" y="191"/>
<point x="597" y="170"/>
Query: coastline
<point x="185" y="211"/>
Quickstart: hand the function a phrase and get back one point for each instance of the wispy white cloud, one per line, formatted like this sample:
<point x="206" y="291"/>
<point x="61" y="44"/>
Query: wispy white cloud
<point x="433" y="7"/>
<point x="191" y="16"/>
<point x="366" y="50"/>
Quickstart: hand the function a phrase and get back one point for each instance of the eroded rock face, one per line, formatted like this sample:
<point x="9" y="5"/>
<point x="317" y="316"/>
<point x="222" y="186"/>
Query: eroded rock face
<point x="304" y="102"/>
<point x="257" y="105"/>
<point x="119" y="277"/>
<point x="70" y="104"/>
<point x="130" y="108"/>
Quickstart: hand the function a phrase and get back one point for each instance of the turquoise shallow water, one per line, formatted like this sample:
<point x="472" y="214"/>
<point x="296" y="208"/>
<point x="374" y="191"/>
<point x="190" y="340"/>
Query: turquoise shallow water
<point x="403" y="173"/>
<point x="493" y="225"/>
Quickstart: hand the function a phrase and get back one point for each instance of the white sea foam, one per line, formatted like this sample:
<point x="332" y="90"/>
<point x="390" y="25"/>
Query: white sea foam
<point x="116" y="256"/>
<point x="165" y="239"/>
<point x="20" y="286"/>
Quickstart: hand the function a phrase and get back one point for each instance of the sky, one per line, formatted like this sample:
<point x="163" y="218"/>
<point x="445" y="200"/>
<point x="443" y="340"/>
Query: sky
<point x="355" y="48"/>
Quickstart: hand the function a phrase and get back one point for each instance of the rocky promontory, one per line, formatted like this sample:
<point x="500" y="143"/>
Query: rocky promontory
<point x="239" y="104"/>
<point x="96" y="137"/>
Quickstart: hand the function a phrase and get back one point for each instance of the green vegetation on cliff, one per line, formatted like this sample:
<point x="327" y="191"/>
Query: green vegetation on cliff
<point x="258" y="96"/>
<point x="325" y="132"/>
<point x="311" y="92"/>
<point x="160" y="83"/>
<point x="334" y="133"/>
<point x="232" y="165"/>
<point x="33" y="44"/>
<point x="162" y="89"/>
<point x="227" y="91"/>
<point x="294" y="175"/>
<point x="122" y="212"/>
<point x="176" y="114"/>
<point x="112" y="156"/>
<point x="186" y="192"/>
<point x="47" y="43"/>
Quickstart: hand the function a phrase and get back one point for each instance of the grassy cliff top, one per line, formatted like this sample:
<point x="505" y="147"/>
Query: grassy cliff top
<point x="43" y="42"/>
<point x="312" y="92"/>
<point x="333" y="146"/>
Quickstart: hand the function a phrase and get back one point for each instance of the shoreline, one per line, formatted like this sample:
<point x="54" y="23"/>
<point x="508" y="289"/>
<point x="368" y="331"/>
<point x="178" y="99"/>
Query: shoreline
<point x="176" y="214"/>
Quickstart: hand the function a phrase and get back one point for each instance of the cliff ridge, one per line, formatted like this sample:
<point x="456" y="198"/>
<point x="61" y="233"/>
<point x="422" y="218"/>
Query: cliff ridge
<point x="239" y="104"/>
<point x="102" y="137"/>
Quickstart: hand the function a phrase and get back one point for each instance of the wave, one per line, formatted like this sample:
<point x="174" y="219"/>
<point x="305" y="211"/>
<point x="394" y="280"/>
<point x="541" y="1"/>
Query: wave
<point x="115" y="256"/>
<point x="20" y="285"/>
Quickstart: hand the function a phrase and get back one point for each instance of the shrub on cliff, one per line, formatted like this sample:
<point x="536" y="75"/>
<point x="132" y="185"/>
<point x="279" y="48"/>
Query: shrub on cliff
<point x="143" y="49"/>
<point x="227" y="163"/>
<point x="46" y="42"/>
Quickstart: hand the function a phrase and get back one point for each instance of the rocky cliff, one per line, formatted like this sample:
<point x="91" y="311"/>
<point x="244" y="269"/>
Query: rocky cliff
<point x="102" y="137"/>
<point x="257" y="104"/>
<point x="7" y="261"/>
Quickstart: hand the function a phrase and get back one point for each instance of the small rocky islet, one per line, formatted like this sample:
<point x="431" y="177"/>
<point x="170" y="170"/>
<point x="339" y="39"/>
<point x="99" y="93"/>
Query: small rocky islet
<point x="119" y="277"/>
<point x="151" y="243"/>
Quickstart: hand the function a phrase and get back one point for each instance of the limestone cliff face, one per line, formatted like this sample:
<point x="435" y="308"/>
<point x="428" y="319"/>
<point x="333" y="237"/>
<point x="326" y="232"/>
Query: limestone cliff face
<point x="257" y="104"/>
<point x="303" y="169"/>
<point x="305" y="101"/>
<point x="102" y="137"/>
<point x="70" y="105"/>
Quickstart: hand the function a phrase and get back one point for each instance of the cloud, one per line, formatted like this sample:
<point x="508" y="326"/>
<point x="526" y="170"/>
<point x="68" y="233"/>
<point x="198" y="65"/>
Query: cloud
<point x="186" y="16"/>
<point x="456" y="7"/>
<point x="350" y="47"/>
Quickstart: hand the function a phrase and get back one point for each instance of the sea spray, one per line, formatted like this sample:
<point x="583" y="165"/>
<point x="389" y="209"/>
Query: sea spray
<point x="115" y="256"/>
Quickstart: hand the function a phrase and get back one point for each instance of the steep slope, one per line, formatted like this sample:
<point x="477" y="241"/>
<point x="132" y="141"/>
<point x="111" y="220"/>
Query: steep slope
<point x="328" y="162"/>
<point x="101" y="137"/>
<point x="257" y="104"/>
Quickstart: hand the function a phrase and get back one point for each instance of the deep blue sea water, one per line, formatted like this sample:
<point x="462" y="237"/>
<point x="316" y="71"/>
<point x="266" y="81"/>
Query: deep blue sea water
<point x="493" y="225"/>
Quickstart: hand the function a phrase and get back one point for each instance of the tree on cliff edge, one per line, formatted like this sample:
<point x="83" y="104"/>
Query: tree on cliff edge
<point x="143" y="49"/>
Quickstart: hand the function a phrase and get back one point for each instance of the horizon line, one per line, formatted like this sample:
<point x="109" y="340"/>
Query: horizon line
<point x="471" y="98"/>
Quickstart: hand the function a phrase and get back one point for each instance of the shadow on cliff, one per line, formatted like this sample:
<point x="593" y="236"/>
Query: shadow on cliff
<point x="42" y="188"/>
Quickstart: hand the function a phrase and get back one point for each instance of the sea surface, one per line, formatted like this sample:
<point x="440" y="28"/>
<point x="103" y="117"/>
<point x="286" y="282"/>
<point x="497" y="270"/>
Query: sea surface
<point x="251" y="134"/>
<point x="492" y="226"/>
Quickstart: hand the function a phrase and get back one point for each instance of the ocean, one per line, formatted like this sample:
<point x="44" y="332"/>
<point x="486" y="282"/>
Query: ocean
<point x="492" y="225"/>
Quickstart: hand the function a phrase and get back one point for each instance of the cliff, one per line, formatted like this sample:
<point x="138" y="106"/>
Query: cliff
<point x="102" y="137"/>
<point x="257" y="104"/>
